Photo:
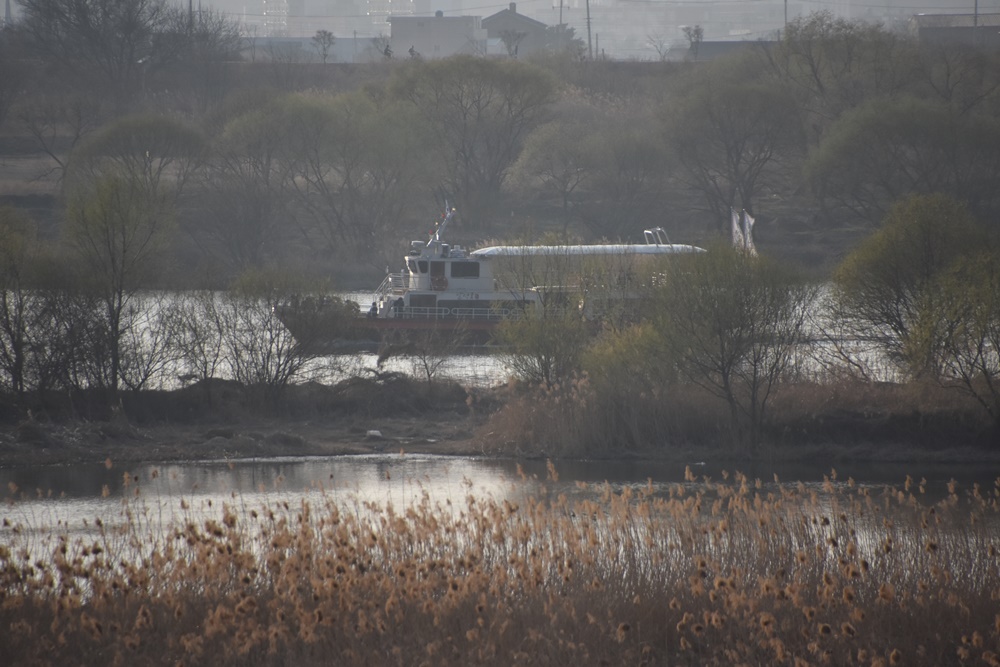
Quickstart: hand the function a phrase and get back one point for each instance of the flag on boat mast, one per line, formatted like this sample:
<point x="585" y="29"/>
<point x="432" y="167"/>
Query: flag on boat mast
<point x="737" y="230"/>
<point x="748" y="221"/>
<point x="742" y="224"/>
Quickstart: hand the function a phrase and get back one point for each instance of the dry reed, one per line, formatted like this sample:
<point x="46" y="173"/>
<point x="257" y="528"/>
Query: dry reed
<point x="728" y="572"/>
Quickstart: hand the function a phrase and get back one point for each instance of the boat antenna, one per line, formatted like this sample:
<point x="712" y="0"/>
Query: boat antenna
<point x="449" y="212"/>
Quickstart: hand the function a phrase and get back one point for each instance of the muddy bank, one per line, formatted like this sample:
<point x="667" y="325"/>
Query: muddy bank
<point x="221" y="421"/>
<point x="393" y="413"/>
<point x="447" y="434"/>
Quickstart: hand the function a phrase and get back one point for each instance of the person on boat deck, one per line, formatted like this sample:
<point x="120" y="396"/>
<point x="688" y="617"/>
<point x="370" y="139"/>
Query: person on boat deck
<point x="397" y="306"/>
<point x="373" y="311"/>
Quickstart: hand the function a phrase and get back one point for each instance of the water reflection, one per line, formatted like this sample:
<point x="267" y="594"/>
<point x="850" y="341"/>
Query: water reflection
<point x="46" y="498"/>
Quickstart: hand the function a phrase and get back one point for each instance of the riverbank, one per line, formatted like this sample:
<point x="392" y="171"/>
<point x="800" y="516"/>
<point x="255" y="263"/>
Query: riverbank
<point x="457" y="435"/>
<point x="88" y="442"/>
<point x="396" y="413"/>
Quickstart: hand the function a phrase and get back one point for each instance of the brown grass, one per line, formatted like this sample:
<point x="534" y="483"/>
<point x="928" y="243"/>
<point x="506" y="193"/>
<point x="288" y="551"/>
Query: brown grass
<point x="710" y="573"/>
<point x="579" y="418"/>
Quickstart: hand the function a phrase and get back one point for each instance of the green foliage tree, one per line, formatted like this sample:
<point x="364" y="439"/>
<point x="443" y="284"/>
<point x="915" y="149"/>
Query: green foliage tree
<point x="561" y="39"/>
<point x="480" y="111"/>
<point x="626" y="172"/>
<point x="13" y="73"/>
<point x="243" y="196"/>
<point x="836" y="64"/>
<point x="968" y="328"/>
<point x="887" y="289"/>
<point x="545" y="346"/>
<point x="158" y="153"/>
<point x="694" y="35"/>
<point x="118" y="230"/>
<point x="355" y="165"/>
<point x="887" y="150"/>
<point x="555" y="157"/>
<point x="196" y="59"/>
<point x="732" y="321"/>
<point x="629" y="373"/>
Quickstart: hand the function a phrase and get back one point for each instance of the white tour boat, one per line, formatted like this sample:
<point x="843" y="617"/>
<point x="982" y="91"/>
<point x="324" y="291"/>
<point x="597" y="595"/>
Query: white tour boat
<point x="446" y="288"/>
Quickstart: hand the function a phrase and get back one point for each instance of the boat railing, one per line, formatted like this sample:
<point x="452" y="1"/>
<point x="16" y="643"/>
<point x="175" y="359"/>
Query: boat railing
<point x="478" y="314"/>
<point x="394" y="284"/>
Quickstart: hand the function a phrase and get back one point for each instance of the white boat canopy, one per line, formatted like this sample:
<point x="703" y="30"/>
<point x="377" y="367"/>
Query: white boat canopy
<point x="585" y="250"/>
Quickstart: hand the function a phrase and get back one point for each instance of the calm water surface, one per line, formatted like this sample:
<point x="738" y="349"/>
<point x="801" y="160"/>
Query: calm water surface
<point x="70" y="498"/>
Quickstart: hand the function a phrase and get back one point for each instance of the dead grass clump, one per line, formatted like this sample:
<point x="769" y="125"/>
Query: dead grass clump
<point x="585" y="418"/>
<point x="728" y="572"/>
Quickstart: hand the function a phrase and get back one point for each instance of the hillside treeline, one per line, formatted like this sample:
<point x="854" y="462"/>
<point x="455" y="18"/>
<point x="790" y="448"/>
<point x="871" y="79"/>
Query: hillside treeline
<point x="144" y="151"/>
<point x="257" y="160"/>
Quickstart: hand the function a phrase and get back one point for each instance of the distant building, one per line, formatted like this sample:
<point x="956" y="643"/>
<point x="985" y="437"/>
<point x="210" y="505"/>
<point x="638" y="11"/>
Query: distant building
<point x="981" y="30"/>
<point x="438" y="36"/>
<point x="517" y="34"/>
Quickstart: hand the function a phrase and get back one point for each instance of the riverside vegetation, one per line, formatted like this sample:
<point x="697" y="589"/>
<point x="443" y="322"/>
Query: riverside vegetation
<point x="733" y="571"/>
<point x="862" y="153"/>
<point x="158" y="206"/>
<point x="732" y="354"/>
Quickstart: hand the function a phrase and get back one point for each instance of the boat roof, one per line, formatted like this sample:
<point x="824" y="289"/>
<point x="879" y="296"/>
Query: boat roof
<point x="586" y="250"/>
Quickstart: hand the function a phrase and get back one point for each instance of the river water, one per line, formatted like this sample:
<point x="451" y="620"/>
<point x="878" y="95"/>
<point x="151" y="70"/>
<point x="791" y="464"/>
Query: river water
<point x="69" y="499"/>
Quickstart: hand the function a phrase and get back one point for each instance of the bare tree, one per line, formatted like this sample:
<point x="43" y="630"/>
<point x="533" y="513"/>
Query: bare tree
<point x="659" y="44"/>
<point x="149" y="345"/>
<point x="17" y="247"/>
<point x="249" y="33"/>
<point x="379" y="48"/>
<point x="58" y="122"/>
<point x="323" y="41"/>
<point x="730" y="139"/>
<point x="13" y="72"/>
<point x="106" y="41"/>
<point x="259" y="351"/>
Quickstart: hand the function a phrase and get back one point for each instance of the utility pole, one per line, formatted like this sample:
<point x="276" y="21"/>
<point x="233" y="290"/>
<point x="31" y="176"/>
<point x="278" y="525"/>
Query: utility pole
<point x="590" y="46"/>
<point x="975" y="24"/>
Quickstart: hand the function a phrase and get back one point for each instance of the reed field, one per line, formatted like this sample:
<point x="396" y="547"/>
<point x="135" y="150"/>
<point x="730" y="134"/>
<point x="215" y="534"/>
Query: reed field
<point x="733" y="571"/>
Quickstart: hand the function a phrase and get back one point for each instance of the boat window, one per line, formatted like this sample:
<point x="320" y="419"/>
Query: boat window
<point x="465" y="269"/>
<point x="423" y="300"/>
<point x="422" y="265"/>
<point x="437" y="269"/>
<point x="412" y="265"/>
